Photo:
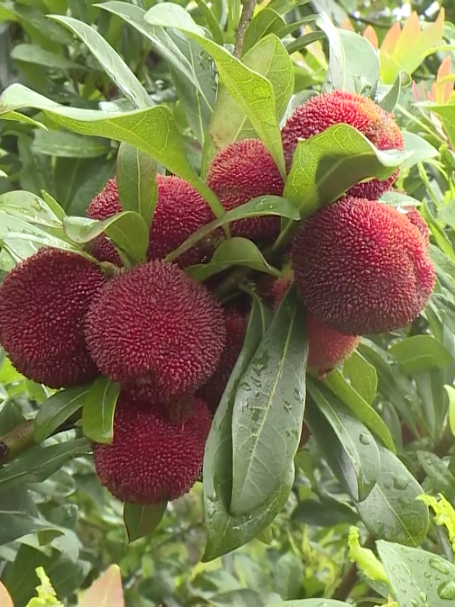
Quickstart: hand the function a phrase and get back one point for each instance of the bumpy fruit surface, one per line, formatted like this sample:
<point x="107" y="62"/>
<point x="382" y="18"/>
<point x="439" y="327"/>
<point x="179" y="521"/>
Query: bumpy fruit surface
<point x="236" y="325"/>
<point x="156" y="327"/>
<point x="416" y="219"/>
<point x="362" y="267"/>
<point x="43" y="302"/>
<point x="242" y="171"/>
<point x="323" y="111"/>
<point x="151" y="459"/>
<point x="327" y="348"/>
<point x="179" y="212"/>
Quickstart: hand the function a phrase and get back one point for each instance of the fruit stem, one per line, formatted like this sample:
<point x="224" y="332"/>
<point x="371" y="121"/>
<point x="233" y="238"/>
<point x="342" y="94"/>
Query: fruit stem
<point x="247" y="15"/>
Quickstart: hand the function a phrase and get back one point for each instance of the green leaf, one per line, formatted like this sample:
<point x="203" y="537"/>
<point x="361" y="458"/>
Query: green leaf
<point x="363" y="411"/>
<point x="57" y="409"/>
<point x="403" y="519"/>
<point x="136" y="180"/>
<point x="289" y="576"/>
<point x="32" y="53"/>
<point x="446" y="113"/>
<point x="438" y="473"/>
<point x="325" y="513"/>
<point x="345" y="71"/>
<point x="99" y="409"/>
<point x="68" y="145"/>
<point x="112" y="63"/>
<point x="17" y="117"/>
<point x="38" y="463"/>
<point x="257" y="207"/>
<point x="161" y="41"/>
<point x="225" y="532"/>
<point x="328" y="164"/>
<point x="268" y="409"/>
<point x="361" y="466"/>
<point x="230" y="120"/>
<point x="420" y="353"/>
<point x="310" y="603"/>
<point x="362" y="376"/>
<point x="127" y="230"/>
<point x="389" y="101"/>
<point x="419" y="150"/>
<point x="236" y="251"/>
<point x="141" y="521"/>
<point x="23" y="204"/>
<point x="415" y="573"/>
<point x="152" y="131"/>
<point x="211" y="21"/>
<point x="450" y="390"/>
<point x="264" y="22"/>
<point x="253" y="92"/>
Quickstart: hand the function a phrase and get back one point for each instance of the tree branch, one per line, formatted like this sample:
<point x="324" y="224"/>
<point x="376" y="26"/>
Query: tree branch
<point x="16" y="441"/>
<point x="247" y="15"/>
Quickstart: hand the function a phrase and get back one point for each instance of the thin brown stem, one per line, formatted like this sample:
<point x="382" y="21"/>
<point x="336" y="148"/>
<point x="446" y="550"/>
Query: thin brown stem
<point x="245" y="19"/>
<point x="349" y="580"/>
<point x="16" y="441"/>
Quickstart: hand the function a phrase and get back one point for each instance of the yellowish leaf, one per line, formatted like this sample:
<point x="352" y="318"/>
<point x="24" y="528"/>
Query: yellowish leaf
<point x="106" y="591"/>
<point x="346" y="25"/>
<point x="443" y="88"/>
<point x="5" y="599"/>
<point x="371" y="36"/>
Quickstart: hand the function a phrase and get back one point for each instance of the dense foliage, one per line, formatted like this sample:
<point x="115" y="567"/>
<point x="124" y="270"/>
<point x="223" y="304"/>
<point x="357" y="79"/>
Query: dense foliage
<point x="354" y="505"/>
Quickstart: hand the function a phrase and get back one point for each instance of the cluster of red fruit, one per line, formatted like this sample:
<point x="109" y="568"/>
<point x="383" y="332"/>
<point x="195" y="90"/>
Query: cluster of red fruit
<point x="360" y="267"/>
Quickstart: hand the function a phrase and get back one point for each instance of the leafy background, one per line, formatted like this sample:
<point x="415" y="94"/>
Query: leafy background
<point x="53" y="511"/>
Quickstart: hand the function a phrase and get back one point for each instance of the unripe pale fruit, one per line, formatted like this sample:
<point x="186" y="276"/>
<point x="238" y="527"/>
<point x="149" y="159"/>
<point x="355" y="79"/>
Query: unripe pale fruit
<point x="43" y="302"/>
<point x="362" y="267"/>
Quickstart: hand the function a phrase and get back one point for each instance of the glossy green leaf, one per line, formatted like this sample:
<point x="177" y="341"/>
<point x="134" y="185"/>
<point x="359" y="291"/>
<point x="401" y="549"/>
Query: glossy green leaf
<point x="418" y="148"/>
<point x="57" y="409"/>
<point x="99" y="409"/>
<point x="21" y="204"/>
<point x="268" y="409"/>
<point x="450" y="390"/>
<point x="236" y="251"/>
<point x="362" y="376"/>
<point x="362" y="454"/>
<point x="253" y="92"/>
<point x="211" y="21"/>
<point x="439" y="475"/>
<point x="404" y="518"/>
<point x="264" y="22"/>
<point x="17" y="117"/>
<point x="257" y="207"/>
<point x="68" y="145"/>
<point x="415" y="573"/>
<point x="32" y="53"/>
<point x="112" y="63"/>
<point x="325" y="513"/>
<point x="136" y="181"/>
<point x="127" y="230"/>
<point x="390" y="99"/>
<point x="326" y="165"/>
<point x="161" y="41"/>
<point x="225" y="532"/>
<point x="141" y="521"/>
<point x="152" y="130"/>
<point x="38" y="463"/>
<point x="345" y="71"/>
<point x="421" y="353"/>
<point x="230" y="120"/>
<point x="358" y="405"/>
